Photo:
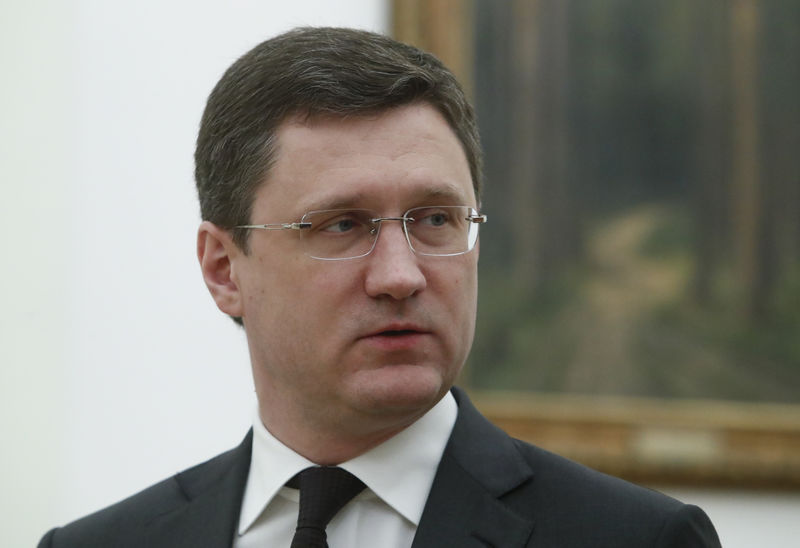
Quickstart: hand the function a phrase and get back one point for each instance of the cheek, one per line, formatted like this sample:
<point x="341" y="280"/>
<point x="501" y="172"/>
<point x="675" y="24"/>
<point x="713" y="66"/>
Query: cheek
<point x="458" y="290"/>
<point x="271" y="293"/>
<point x="469" y="296"/>
<point x="321" y="300"/>
<point x="333" y="280"/>
<point x="459" y="281"/>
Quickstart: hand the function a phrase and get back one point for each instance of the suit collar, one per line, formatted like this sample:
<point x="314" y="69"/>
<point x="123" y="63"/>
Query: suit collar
<point x="480" y="465"/>
<point x="213" y="499"/>
<point x="465" y="508"/>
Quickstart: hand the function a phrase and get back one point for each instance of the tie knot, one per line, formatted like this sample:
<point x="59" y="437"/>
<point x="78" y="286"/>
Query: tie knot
<point x="324" y="490"/>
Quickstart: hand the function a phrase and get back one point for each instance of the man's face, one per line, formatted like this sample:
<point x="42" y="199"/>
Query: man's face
<point x="368" y="341"/>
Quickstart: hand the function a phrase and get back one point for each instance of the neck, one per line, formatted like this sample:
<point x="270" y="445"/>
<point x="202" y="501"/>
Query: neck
<point x="328" y="445"/>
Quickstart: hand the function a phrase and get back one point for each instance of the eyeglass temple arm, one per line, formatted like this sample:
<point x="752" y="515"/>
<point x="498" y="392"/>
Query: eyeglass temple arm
<point x="478" y="218"/>
<point x="278" y="226"/>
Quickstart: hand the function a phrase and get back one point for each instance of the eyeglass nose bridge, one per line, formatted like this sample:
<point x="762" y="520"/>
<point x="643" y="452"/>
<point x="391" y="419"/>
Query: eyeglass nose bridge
<point x="378" y="220"/>
<point x="376" y="228"/>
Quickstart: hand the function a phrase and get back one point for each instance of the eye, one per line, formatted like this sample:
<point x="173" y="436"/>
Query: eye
<point x="339" y="222"/>
<point x="339" y="225"/>
<point x="433" y="218"/>
<point x="438" y="219"/>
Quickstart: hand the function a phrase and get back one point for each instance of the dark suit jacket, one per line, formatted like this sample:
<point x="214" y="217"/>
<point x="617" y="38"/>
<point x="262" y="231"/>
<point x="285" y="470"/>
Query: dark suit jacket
<point x="489" y="490"/>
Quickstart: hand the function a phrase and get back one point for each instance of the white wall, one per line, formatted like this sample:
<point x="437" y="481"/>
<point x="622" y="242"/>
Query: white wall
<point x="112" y="355"/>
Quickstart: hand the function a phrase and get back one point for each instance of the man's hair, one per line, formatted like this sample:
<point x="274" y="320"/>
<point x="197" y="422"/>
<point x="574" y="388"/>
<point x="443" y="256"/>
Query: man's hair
<point x="310" y="72"/>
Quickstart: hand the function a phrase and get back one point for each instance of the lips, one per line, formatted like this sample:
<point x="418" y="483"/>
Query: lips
<point x="397" y="333"/>
<point x="396" y="337"/>
<point x="397" y="330"/>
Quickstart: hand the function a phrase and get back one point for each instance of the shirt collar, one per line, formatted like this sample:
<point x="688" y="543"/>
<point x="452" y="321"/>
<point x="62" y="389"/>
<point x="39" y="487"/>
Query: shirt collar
<point x="400" y="470"/>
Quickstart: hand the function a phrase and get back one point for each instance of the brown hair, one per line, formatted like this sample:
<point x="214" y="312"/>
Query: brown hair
<point x="311" y="72"/>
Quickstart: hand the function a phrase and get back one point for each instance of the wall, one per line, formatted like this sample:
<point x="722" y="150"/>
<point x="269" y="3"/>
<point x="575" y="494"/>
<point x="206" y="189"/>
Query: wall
<point x="114" y="358"/>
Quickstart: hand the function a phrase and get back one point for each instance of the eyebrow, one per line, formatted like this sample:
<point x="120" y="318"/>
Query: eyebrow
<point x="338" y="202"/>
<point x="448" y="193"/>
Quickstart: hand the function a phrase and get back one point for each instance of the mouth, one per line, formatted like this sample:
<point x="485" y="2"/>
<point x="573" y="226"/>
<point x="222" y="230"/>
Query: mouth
<point x="396" y="337"/>
<point x="397" y="332"/>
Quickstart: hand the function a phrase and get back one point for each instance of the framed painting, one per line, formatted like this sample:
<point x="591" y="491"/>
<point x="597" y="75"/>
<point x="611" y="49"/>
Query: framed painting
<point x="640" y="275"/>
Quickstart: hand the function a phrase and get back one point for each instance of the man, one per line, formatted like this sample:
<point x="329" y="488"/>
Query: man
<point x="339" y="181"/>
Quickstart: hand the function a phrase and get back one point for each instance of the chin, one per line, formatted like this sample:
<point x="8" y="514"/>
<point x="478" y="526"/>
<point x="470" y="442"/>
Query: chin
<point x="401" y="389"/>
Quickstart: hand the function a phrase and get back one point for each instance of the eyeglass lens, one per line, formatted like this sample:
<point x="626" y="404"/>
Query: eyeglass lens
<point x="351" y="233"/>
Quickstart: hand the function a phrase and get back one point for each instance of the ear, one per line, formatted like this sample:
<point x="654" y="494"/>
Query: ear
<point x="216" y="252"/>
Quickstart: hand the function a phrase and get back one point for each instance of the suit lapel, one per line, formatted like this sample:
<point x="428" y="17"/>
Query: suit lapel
<point x="479" y="466"/>
<point x="213" y="497"/>
<point x="465" y="508"/>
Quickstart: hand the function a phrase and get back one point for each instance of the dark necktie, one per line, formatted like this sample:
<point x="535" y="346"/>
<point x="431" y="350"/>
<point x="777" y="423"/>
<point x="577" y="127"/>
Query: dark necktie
<point x="324" y="490"/>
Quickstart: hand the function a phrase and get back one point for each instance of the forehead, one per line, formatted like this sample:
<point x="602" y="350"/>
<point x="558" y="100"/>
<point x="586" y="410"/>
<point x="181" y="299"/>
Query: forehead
<point x="394" y="158"/>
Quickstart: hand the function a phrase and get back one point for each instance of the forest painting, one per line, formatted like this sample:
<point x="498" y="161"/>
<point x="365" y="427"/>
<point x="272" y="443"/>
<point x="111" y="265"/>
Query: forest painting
<point x="643" y="190"/>
<point x="642" y="185"/>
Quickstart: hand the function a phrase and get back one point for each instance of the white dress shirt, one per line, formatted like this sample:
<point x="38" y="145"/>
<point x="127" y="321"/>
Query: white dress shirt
<point x="398" y="475"/>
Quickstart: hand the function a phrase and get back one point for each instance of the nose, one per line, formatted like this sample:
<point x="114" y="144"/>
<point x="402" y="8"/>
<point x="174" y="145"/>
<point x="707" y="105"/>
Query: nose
<point x="393" y="269"/>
